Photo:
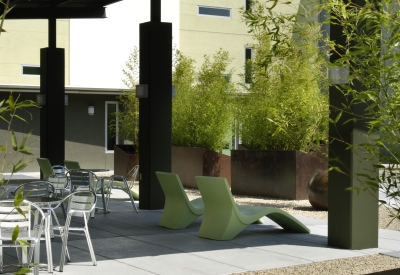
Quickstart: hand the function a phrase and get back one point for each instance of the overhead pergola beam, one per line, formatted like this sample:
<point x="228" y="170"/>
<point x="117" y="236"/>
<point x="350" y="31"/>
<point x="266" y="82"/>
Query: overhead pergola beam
<point x="59" y="9"/>
<point x="59" y="13"/>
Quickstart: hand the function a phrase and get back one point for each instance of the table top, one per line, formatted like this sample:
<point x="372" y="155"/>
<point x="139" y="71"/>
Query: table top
<point x="44" y="200"/>
<point x="97" y="170"/>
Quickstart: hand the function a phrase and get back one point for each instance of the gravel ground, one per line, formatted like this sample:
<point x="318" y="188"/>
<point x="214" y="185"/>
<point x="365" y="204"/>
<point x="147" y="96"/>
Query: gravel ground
<point x="355" y="265"/>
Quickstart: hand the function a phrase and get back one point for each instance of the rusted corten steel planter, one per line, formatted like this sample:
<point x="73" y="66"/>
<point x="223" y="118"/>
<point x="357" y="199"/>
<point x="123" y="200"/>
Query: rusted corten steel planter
<point x="189" y="162"/>
<point x="276" y="174"/>
<point x="123" y="161"/>
<point x="216" y="165"/>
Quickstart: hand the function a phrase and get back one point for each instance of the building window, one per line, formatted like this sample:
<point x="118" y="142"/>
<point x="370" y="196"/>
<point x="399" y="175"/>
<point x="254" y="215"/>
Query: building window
<point x="247" y="74"/>
<point x="215" y="11"/>
<point x="247" y="4"/>
<point x="30" y="70"/>
<point x="111" y="125"/>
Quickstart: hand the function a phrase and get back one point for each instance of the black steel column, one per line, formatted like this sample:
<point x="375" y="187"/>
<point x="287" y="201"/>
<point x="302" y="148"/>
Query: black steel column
<point x="52" y="86"/>
<point x="352" y="217"/>
<point x="155" y="112"/>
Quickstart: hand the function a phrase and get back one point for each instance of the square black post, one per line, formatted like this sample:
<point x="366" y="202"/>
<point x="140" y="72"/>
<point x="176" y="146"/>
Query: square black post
<point x="155" y="112"/>
<point x="52" y="114"/>
<point x="352" y="217"/>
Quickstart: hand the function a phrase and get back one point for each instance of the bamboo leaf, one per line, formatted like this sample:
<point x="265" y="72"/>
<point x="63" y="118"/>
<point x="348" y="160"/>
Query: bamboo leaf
<point x="15" y="234"/>
<point x="14" y="141"/>
<point x="10" y="102"/>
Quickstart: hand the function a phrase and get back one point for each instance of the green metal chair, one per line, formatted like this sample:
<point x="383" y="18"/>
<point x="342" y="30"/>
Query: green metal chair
<point x="55" y="174"/>
<point x="224" y="219"/>
<point x="178" y="212"/>
<point x="72" y="165"/>
<point x="45" y="167"/>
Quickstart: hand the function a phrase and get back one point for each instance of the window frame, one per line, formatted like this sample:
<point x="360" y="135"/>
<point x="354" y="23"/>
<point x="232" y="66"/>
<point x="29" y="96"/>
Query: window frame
<point x="214" y="7"/>
<point x="106" y="124"/>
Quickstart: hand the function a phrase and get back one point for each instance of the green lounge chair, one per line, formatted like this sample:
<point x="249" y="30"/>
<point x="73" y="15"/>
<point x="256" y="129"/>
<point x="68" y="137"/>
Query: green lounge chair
<point x="72" y="165"/>
<point x="178" y="212"/>
<point x="224" y="219"/>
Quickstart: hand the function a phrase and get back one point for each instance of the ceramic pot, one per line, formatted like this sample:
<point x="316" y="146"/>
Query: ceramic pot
<point x="318" y="190"/>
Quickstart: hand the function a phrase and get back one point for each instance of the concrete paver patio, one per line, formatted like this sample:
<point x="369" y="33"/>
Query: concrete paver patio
<point x="126" y="242"/>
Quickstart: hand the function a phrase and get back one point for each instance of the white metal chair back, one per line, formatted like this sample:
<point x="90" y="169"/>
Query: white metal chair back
<point x="82" y="178"/>
<point x="59" y="178"/>
<point x="39" y="188"/>
<point x="28" y="231"/>
<point x="10" y="217"/>
<point x="59" y="170"/>
<point x="81" y="203"/>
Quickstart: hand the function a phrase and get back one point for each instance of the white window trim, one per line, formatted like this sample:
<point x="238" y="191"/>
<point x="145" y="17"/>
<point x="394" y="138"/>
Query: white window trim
<point x="213" y="7"/>
<point x="29" y="65"/>
<point x="105" y="124"/>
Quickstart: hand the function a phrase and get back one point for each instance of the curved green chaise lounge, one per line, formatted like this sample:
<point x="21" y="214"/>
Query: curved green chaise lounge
<point x="178" y="212"/>
<point x="224" y="219"/>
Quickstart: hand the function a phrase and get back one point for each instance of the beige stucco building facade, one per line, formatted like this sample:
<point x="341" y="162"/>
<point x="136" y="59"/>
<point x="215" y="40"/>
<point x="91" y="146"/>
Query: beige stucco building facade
<point x="20" y="47"/>
<point x="202" y="34"/>
<point x="195" y="34"/>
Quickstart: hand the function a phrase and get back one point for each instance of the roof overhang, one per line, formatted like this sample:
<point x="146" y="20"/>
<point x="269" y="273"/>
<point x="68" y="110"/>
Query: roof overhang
<point x="68" y="90"/>
<point x="62" y="9"/>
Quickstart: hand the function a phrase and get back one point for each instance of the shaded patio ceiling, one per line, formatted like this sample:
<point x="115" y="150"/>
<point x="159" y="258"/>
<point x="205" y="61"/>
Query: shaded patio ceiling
<point x="62" y="9"/>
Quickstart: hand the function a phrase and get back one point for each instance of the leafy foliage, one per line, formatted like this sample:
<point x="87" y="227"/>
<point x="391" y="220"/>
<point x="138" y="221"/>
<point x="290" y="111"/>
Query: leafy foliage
<point x="128" y="117"/>
<point x="11" y="149"/>
<point x="372" y="55"/>
<point x="7" y="9"/>
<point x="283" y="107"/>
<point x="202" y="113"/>
<point x="9" y="110"/>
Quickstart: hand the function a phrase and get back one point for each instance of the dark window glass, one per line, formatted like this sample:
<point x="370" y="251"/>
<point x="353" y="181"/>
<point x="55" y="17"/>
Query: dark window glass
<point x="28" y="70"/>
<point x="111" y="120"/>
<point x="215" y="11"/>
<point x="247" y="73"/>
<point x="248" y="53"/>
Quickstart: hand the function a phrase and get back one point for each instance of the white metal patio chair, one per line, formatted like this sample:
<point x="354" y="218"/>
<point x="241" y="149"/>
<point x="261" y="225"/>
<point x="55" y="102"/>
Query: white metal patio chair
<point x="125" y="183"/>
<point x="85" y="180"/>
<point x="28" y="231"/>
<point x="80" y="204"/>
<point x="40" y="188"/>
<point x="59" y="179"/>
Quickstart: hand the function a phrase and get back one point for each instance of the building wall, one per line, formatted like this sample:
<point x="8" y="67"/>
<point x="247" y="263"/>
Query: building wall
<point x="85" y="135"/>
<point x="21" y="44"/>
<point x="205" y="35"/>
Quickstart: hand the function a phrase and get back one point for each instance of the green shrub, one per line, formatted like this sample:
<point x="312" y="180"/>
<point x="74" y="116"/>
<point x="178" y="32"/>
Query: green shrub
<point x="201" y="114"/>
<point x="371" y="54"/>
<point x="283" y="106"/>
<point x="128" y="115"/>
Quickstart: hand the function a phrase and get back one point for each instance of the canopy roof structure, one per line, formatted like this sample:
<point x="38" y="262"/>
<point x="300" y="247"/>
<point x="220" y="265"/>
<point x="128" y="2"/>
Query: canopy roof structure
<point x="62" y="9"/>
